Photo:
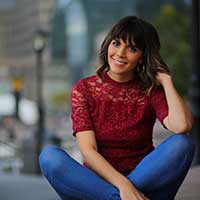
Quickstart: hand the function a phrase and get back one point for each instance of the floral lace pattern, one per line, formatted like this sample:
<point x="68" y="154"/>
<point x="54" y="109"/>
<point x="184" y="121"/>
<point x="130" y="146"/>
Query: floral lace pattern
<point x="121" y="115"/>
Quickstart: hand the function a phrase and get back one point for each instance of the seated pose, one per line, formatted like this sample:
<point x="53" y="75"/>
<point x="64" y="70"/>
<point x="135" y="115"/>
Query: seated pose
<point x="113" y="114"/>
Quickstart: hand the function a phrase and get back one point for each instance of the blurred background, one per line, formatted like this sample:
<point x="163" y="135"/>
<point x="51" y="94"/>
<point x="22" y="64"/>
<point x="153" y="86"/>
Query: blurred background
<point x="48" y="45"/>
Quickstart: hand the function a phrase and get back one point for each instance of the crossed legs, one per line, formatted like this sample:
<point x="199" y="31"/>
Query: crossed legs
<point x="159" y="175"/>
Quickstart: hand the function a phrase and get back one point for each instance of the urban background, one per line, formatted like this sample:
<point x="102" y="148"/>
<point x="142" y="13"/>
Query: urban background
<point x="48" y="45"/>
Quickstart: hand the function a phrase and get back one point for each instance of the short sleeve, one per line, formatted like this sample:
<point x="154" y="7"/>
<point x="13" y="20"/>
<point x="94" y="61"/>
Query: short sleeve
<point x="159" y="103"/>
<point x="81" y="120"/>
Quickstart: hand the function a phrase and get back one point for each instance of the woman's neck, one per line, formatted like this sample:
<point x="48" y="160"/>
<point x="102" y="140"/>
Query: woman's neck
<point x="120" y="77"/>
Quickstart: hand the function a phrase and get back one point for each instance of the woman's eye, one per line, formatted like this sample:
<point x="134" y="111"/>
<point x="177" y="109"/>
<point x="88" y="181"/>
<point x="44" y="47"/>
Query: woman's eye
<point x="115" y="43"/>
<point x="133" y="49"/>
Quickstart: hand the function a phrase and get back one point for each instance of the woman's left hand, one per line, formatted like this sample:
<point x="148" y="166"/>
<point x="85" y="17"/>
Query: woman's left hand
<point x="163" y="78"/>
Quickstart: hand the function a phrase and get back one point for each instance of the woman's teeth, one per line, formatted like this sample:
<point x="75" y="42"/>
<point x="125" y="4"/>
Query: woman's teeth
<point x="120" y="62"/>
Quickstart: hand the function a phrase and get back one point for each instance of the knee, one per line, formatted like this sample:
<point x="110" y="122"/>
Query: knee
<point x="183" y="143"/>
<point x="50" y="159"/>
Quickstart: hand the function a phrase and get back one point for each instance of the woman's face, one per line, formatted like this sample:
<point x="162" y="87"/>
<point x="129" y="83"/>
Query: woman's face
<point x="122" y="60"/>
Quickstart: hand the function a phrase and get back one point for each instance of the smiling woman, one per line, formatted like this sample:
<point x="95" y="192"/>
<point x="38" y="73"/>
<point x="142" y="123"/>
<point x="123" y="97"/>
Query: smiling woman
<point x="122" y="60"/>
<point x="113" y="115"/>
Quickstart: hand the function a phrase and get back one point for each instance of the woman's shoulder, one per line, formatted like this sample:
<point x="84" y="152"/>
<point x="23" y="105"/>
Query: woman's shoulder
<point x="85" y="82"/>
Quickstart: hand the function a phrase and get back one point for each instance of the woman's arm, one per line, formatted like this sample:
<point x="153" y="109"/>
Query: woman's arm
<point x="88" y="147"/>
<point x="87" y="144"/>
<point x="179" y="119"/>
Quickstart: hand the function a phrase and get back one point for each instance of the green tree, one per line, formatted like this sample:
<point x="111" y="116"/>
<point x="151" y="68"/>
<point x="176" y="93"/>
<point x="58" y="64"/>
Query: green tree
<point x="174" y="31"/>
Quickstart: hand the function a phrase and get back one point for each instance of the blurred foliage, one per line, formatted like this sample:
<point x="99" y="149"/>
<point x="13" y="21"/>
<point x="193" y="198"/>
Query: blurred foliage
<point x="149" y="9"/>
<point x="174" y="31"/>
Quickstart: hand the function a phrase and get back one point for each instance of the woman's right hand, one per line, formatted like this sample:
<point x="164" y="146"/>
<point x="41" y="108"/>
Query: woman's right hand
<point x="129" y="192"/>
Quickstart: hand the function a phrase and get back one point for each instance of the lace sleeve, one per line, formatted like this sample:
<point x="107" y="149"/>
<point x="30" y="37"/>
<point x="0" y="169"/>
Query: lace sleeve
<point x="80" y="114"/>
<point x="159" y="104"/>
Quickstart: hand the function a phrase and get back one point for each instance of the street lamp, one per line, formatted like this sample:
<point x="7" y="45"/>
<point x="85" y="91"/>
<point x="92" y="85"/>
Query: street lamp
<point x="39" y="46"/>
<point x="17" y="85"/>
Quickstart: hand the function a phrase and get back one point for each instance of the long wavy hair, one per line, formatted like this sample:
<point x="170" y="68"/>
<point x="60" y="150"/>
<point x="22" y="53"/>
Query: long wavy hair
<point x="136" y="31"/>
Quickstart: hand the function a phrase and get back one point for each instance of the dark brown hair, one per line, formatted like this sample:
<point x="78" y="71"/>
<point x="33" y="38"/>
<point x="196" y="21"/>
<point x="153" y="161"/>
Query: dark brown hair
<point x="134" y="30"/>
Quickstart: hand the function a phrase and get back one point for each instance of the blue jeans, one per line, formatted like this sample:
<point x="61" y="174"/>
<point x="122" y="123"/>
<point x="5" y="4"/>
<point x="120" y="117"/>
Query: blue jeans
<point x="159" y="175"/>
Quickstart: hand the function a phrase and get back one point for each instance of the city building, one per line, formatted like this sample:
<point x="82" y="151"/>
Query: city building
<point x="19" y="20"/>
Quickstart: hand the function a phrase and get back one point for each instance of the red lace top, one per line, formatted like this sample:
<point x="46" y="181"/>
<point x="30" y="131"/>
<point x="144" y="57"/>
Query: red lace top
<point x="121" y="115"/>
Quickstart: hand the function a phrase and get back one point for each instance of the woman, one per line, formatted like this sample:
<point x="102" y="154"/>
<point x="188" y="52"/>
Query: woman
<point x="113" y="114"/>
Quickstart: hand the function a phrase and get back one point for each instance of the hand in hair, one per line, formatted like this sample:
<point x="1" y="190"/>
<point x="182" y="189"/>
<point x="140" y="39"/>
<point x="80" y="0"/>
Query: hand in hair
<point x="163" y="78"/>
<point x="179" y="119"/>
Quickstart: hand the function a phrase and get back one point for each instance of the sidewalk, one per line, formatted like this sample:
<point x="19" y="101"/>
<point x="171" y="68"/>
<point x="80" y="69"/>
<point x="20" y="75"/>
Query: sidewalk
<point x="190" y="190"/>
<point x="13" y="187"/>
<point x="21" y="187"/>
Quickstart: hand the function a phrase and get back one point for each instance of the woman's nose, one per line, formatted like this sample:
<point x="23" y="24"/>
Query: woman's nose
<point x="121" y="52"/>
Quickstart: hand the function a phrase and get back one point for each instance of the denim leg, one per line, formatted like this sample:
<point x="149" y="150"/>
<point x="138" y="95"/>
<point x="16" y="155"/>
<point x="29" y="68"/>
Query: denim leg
<point x="71" y="180"/>
<point x="160" y="174"/>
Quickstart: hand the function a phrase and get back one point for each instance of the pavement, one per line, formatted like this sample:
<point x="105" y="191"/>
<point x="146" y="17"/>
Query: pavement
<point x="28" y="187"/>
<point x="25" y="187"/>
<point x="190" y="189"/>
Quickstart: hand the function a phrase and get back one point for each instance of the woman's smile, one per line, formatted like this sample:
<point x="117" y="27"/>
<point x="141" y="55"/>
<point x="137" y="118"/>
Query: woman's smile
<point x="119" y="62"/>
